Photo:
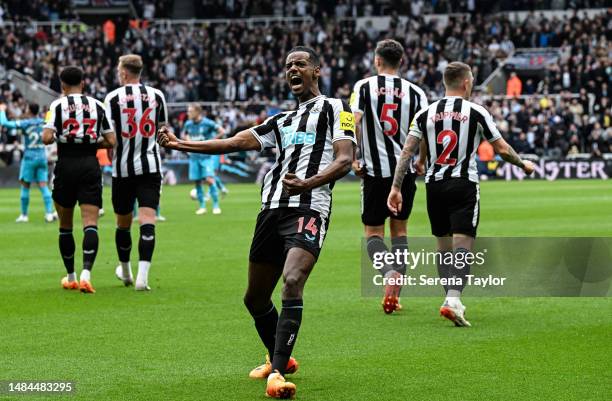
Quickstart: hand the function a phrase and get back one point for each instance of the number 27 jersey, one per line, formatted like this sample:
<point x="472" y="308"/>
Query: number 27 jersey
<point x="137" y="111"/>
<point x="79" y="122"/>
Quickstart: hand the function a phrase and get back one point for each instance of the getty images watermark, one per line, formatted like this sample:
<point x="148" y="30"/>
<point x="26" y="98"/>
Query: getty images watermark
<point x="411" y="260"/>
<point x="572" y="266"/>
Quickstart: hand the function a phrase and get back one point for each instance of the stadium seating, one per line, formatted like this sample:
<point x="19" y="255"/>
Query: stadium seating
<point x="238" y="61"/>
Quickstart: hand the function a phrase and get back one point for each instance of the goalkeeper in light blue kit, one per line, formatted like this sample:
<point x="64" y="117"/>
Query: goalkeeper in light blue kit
<point x="202" y="167"/>
<point x="34" y="163"/>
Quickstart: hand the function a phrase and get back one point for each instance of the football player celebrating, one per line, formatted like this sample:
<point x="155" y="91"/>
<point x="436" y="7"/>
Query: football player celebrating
<point x="315" y="145"/>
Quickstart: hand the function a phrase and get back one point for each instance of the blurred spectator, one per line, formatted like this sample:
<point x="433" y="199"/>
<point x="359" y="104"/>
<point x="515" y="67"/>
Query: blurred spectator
<point x="514" y="85"/>
<point x="109" y="31"/>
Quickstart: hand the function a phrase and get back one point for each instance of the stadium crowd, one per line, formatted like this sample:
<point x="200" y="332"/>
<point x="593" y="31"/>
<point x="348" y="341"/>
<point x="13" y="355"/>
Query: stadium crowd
<point x="359" y="8"/>
<point x="228" y="62"/>
<point x="52" y="10"/>
<point x="555" y="126"/>
<point x="38" y="10"/>
<point x="240" y="62"/>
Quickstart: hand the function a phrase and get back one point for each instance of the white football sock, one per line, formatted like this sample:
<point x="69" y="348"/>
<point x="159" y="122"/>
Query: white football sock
<point x="72" y="276"/>
<point x="127" y="269"/>
<point x="85" y="275"/>
<point x="143" y="272"/>
<point x="452" y="296"/>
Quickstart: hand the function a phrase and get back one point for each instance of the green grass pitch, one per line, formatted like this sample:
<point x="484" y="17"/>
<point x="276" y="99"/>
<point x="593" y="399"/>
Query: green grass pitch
<point x="192" y="339"/>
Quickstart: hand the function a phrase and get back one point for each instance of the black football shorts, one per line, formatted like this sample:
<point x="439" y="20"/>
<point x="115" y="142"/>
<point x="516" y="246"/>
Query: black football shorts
<point x="374" y="195"/>
<point x="278" y="230"/>
<point x="145" y="188"/>
<point x="453" y="206"/>
<point x="77" y="179"/>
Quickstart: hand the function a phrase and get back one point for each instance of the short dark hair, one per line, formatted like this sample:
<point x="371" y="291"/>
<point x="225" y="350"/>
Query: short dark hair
<point x="312" y="54"/>
<point x="34" y="108"/>
<point x="71" y="75"/>
<point x="455" y="73"/>
<point x="391" y="51"/>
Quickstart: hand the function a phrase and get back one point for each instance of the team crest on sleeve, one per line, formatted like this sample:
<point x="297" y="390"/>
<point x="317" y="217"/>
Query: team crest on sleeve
<point x="352" y="99"/>
<point x="48" y="116"/>
<point x="347" y="121"/>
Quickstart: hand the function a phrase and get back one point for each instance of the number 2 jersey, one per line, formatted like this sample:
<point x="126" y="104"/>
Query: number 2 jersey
<point x="304" y="141"/>
<point x="388" y="103"/>
<point x="79" y="122"/>
<point x="136" y="112"/>
<point x="452" y="129"/>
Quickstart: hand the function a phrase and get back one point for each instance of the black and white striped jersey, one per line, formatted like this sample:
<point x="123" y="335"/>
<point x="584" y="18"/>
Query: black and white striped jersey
<point x="304" y="139"/>
<point x="79" y="123"/>
<point x="137" y="112"/>
<point x="452" y="129"/>
<point x="388" y="103"/>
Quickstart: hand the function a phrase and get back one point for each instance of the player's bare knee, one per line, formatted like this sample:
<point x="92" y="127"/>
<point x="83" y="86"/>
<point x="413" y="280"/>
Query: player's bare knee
<point x="398" y="228"/>
<point x="462" y="241"/>
<point x="90" y="221"/>
<point x="293" y="286"/>
<point x="65" y="218"/>
<point x="254" y="303"/>
<point x="146" y="215"/>
<point x="89" y="215"/>
<point x="371" y="231"/>
<point x="124" y="221"/>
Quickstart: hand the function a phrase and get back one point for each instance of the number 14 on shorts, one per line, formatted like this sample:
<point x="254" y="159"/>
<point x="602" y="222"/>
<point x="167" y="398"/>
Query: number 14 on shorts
<point x="310" y="226"/>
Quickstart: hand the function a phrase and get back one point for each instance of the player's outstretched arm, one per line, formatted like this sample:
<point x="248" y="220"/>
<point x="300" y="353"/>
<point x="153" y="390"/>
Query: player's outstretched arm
<point x="508" y="153"/>
<point x="343" y="152"/>
<point x="394" y="201"/>
<point x="4" y="121"/>
<point x="244" y="140"/>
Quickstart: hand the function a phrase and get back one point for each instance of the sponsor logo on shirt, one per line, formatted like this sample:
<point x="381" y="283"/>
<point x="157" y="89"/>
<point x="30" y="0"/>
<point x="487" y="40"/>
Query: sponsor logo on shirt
<point x="291" y="137"/>
<point x="347" y="121"/>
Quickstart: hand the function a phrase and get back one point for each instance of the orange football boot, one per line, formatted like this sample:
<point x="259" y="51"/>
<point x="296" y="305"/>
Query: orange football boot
<point x="86" y="287"/>
<point x="69" y="285"/>
<point x="390" y="302"/>
<point x="279" y="388"/>
<point x="263" y="371"/>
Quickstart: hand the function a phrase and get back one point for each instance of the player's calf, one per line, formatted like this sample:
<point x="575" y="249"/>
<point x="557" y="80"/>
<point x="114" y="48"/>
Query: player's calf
<point x="287" y="330"/>
<point x="67" y="248"/>
<point x="90" y="250"/>
<point x="123" y="242"/>
<point x="266" y="321"/>
<point x="24" y="198"/>
<point x="452" y="308"/>
<point x="146" y="245"/>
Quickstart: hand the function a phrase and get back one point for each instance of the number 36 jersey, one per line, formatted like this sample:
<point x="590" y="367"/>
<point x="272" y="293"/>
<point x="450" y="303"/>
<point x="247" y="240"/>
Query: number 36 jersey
<point x="137" y="112"/>
<point x="452" y="129"/>
<point x="79" y="123"/>
<point x="388" y="103"/>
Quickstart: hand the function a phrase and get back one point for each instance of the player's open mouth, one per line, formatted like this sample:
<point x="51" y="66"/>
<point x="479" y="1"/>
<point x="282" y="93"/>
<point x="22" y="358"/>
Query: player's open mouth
<point x="295" y="81"/>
